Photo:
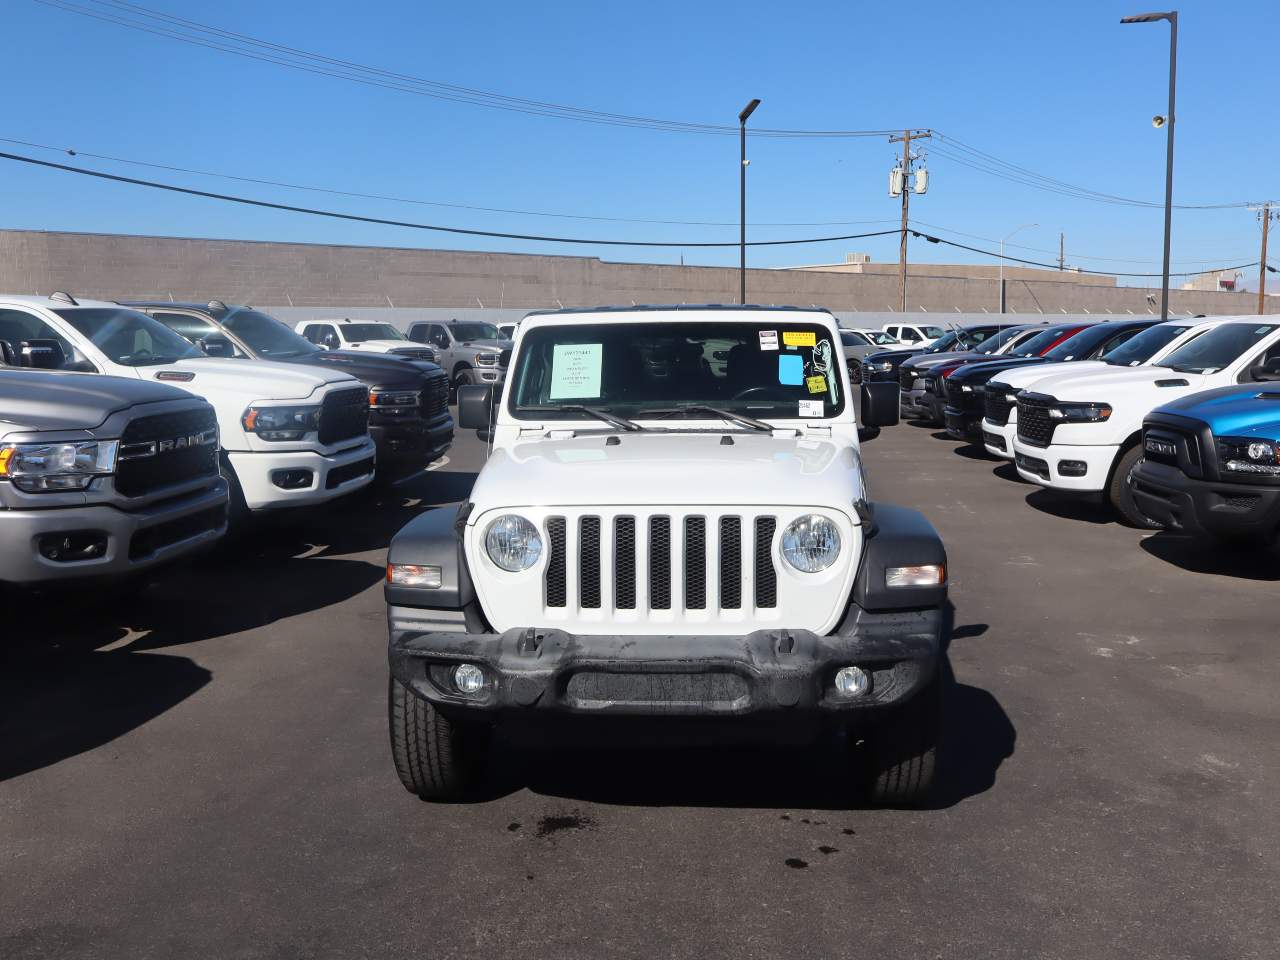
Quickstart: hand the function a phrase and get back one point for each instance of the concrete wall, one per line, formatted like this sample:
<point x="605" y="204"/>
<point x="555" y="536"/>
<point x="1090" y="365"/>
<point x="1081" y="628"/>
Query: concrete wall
<point x="336" y="277"/>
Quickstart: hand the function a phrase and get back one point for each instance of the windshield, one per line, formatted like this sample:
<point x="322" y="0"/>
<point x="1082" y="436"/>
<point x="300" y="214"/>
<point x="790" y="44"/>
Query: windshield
<point x="358" y="332"/>
<point x="879" y="337"/>
<point x="946" y="342"/>
<point x="1081" y="344"/>
<point x="1040" y="342"/>
<point x="997" y="340"/>
<point x="1217" y="348"/>
<point x="776" y="369"/>
<point x="1141" y="348"/>
<point x="851" y="339"/>
<point x="932" y="332"/>
<point x="129" y="338"/>
<point x="474" y="331"/>
<point x="266" y="336"/>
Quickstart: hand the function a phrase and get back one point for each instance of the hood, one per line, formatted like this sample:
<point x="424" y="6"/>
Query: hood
<point x="1020" y="378"/>
<point x="1105" y="386"/>
<point x="1250" y="410"/>
<point x="894" y="356"/>
<point x="251" y="379"/>
<point x="983" y="370"/>
<point x="496" y="346"/>
<point x="657" y="468"/>
<point x="48" y="400"/>
<point x="859" y="353"/>
<point x="381" y="346"/>
<point x="374" y="369"/>
<point x="927" y="360"/>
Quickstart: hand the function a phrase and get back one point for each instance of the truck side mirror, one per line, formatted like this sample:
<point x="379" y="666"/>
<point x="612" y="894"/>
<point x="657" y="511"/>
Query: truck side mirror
<point x="880" y="404"/>
<point x="42" y="354"/>
<point x="475" y="406"/>
<point x="8" y="356"/>
<point x="216" y="346"/>
<point x="504" y="358"/>
<point x="1266" y="372"/>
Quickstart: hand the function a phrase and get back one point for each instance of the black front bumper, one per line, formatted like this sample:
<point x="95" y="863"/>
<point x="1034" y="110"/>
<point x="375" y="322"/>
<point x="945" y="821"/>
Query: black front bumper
<point x="406" y="447"/>
<point x="1205" y="507"/>
<point x="776" y="672"/>
<point x="962" y="424"/>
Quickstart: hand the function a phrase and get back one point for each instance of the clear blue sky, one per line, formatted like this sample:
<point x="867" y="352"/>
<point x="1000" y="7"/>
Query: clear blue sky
<point x="1060" y="88"/>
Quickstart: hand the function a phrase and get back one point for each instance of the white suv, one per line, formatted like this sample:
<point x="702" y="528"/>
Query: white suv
<point x="368" y="337"/>
<point x="1082" y="433"/>
<point x="674" y="523"/>
<point x="913" y="334"/>
<point x="290" y="435"/>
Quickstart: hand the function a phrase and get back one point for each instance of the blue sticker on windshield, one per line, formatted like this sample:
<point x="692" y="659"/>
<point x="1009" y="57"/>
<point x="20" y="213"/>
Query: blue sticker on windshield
<point x="790" y="369"/>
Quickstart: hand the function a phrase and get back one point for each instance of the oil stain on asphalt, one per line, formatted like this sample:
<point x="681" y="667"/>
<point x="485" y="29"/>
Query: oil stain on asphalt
<point x="551" y="825"/>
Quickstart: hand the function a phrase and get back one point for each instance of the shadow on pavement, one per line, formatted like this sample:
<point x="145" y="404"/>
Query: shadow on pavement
<point x="972" y="450"/>
<point x="1244" y="561"/>
<point x="1007" y="471"/>
<point x="1070" y="508"/>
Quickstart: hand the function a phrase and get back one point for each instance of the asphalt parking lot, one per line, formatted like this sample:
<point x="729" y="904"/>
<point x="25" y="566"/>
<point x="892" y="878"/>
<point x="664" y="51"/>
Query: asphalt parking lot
<point x="203" y="769"/>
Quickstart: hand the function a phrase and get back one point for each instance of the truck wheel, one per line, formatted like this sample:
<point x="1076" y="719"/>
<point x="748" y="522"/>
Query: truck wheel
<point x="461" y="378"/>
<point x="436" y="758"/>
<point x="1120" y="493"/>
<point x="904" y="749"/>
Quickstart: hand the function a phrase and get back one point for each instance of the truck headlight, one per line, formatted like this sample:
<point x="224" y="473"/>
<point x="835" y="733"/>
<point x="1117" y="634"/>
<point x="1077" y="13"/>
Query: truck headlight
<point x="1080" y="412"/>
<point x="1248" y="455"/>
<point x="810" y="543"/>
<point x="51" y="467"/>
<point x="513" y="543"/>
<point x="383" y="398"/>
<point x="281" y="423"/>
<point x="486" y="359"/>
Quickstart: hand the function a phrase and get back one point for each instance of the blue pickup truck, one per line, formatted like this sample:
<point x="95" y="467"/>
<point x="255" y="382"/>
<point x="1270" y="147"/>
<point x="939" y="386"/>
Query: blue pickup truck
<point x="1211" y="464"/>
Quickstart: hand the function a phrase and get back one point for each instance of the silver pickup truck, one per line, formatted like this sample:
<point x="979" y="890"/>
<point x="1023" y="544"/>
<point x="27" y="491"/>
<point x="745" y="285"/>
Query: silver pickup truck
<point x="102" y="475"/>
<point x="470" y="351"/>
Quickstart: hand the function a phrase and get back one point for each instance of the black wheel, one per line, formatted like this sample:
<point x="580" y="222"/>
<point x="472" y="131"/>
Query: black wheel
<point x="904" y="749"/>
<point x="461" y="378"/>
<point x="237" y="508"/>
<point x="436" y="758"/>
<point x="1120" y="491"/>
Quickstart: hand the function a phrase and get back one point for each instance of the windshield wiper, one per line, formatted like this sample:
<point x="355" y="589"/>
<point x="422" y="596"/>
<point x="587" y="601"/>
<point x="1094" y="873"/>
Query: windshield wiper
<point x="737" y="418"/>
<point x="622" y="423"/>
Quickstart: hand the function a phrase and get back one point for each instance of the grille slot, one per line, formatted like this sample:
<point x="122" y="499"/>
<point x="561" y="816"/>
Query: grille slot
<point x="557" y="594"/>
<point x="695" y="563"/>
<point x="997" y="407"/>
<point x="731" y="563"/>
<point x="624" y="562"/>
<point x="765" y="575"/>
<point x="344" y="414"/>
<point x="660" y="563"/>
<point x="589" y="563"/>
<point x="147" y="461"/>
<point x="905" y="378"/>
<point x="435" y="397"/>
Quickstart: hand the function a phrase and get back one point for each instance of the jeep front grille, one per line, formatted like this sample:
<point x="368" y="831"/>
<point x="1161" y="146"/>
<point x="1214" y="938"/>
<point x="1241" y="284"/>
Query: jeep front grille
<point x="709" y="575"/>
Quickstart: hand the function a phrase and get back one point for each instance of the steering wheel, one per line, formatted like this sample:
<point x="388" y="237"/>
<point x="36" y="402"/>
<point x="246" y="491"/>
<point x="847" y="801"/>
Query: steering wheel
<point x="754" y="391"/>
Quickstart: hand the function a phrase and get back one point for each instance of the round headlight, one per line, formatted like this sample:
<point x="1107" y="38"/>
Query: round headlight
<point x="1261" y="451"/>
<point x="513" y="543"/>
<point x="811" y="543"/>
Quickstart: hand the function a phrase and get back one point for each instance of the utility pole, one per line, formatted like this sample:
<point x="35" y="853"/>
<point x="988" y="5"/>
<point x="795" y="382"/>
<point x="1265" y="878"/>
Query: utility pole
<point x="1266" y="216"/>
<point x="1062" y="259"/>
<point x="907" y="159"/>
<point x="742" y="196"/>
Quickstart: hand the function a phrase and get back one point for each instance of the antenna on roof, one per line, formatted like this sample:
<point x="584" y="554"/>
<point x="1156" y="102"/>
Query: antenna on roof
<point x="64" y="298"/>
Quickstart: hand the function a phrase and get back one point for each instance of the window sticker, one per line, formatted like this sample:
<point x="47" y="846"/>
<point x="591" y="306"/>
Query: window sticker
<point x="810" y="408"/>
<point x="799" y="338"/>
<point x="822" y="365"/>
<point x="575" y="371"/>
<point x="816" y="384"/>
<point x="790" y="369"/>
<point x="768" y="339"/>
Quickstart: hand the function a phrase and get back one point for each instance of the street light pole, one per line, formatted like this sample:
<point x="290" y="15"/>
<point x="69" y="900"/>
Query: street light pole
<point x="742" y="189"/>
<point x="1000" y="289"/>
<point x="1172" y="17"/>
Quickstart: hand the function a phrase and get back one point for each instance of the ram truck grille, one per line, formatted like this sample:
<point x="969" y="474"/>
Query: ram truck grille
<point x="1034" y="424"/>
<point x="435" y="397"/>
<point x="344" y="414"/>
<point x="167" y="449"/>
<point x="997" y="406"/>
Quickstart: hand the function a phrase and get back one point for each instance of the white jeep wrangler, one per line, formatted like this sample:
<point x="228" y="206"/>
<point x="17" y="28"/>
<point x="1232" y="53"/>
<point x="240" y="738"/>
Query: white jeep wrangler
<point x="673" y="531"/>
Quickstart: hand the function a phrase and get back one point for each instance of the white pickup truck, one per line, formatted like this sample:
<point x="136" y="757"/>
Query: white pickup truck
<point x="1082" y="433"/>
<point x="1000" y="424"/>
<point x="674" y="528"/>
<point x="290" y="435"/>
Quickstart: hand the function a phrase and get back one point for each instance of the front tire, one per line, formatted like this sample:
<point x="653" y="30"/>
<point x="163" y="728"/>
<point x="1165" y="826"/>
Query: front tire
<point x="435" y="757"/>
<point x="1120" y="492"/>
<point x="904" y="750"/>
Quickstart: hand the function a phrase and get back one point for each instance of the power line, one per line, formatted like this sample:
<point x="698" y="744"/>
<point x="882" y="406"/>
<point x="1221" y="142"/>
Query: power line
<point x="358" y="218"/>
<point x="70" y="151"/>
<point x="139" y="18"/>
<point x="1054" y="266"/>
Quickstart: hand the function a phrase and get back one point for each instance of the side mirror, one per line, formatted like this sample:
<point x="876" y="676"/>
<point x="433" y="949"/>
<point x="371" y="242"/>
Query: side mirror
<point x="8" y="356"/>
<point x="42" y="354"/>
<point x="504" y="358"/>
<point x="1266" y="372"/>
<point x="475" y="406"/>
<point x="880" y="404"/>
<point x="216" y="346"/>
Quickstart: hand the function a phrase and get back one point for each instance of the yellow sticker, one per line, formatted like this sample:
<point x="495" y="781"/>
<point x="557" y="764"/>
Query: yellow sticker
<point x="816" y="384"/>
<point x="799" y="338"/>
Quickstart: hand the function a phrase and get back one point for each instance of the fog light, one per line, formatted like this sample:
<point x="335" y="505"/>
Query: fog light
<point x="468" y="679"/>
<point x="924" y="575"/>
<point x="71" y="547"/>
<point x="292" y="479"/>
<point x="852" y="682"/>
<point x="1072" y="468"/>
